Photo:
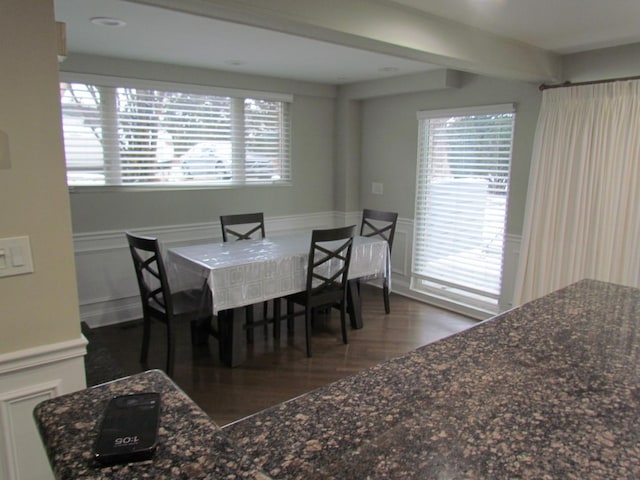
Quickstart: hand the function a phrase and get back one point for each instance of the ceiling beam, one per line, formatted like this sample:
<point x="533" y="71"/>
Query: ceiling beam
<point x="384" y="27"/>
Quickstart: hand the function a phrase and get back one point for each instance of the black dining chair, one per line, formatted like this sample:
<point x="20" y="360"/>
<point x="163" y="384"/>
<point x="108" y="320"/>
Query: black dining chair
<point x="245" y="226"/>
<point x="383" y="225"/>
<point x="327" y="278"/>
<point x="160" y="303"/>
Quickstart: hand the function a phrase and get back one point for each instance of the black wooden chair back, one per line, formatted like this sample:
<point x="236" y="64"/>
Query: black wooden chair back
<point x="245" y="226"/>
<point x="328" y="266"/>
<point x="376" y="223"/>
<point x="327" y="278"/>
<point x="242" y="226"/>
<point x="162" y="304"/>
<point x="155" y="293"/>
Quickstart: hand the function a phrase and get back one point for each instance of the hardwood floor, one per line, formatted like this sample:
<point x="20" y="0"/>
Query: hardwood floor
<point x="277" y="371"/>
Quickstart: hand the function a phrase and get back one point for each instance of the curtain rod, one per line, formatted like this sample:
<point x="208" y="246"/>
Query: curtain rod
<point x="544" y="86"/>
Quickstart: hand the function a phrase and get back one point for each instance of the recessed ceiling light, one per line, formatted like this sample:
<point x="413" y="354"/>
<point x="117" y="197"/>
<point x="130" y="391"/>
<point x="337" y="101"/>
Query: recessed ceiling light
<point x="108" y="22"/>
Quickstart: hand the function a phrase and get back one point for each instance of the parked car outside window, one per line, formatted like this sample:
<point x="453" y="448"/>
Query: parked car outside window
<point x="208" y="161"/>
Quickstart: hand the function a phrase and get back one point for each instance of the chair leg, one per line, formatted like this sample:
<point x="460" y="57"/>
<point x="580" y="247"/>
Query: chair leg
<point x="171" y="350"/>
<point x="146" y="332"/>
<point x="385" y="293"/>
<point x="343" y="321"/>
<point x="249" y="321"/>
<point x="200" y="331"/>
<point x="276" y="318"/>
<point x="265" y="316"/>
<point x="307" y="325"/>
<point x="290" y="319"/>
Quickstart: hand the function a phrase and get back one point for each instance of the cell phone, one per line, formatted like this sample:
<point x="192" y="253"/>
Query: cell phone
<point x="129" y="429"/>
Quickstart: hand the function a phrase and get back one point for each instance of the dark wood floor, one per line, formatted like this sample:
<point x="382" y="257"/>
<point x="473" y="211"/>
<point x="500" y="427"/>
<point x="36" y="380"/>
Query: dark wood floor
<point x="277" y="371"/>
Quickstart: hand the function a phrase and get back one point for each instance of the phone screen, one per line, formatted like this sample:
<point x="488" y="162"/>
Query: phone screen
<point x="128" y="431"/>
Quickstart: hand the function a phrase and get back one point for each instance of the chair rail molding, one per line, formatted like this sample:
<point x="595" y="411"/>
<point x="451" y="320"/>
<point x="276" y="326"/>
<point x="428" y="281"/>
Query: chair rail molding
<point x="42" y="355"/>
<point x="28" y="377"/>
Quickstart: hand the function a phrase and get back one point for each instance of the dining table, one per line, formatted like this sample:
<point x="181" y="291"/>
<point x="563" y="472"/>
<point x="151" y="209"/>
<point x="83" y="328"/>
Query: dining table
<point x="232" y="275"/>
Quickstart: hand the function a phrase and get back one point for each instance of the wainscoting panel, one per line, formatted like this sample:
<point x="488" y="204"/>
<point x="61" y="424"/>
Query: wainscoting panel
<point x="19" y="431"/>
<point x="108" y="292"/>
<point x="107" y="287"/>
<point x="27" y="378"/>
<point x="402" y="249"/>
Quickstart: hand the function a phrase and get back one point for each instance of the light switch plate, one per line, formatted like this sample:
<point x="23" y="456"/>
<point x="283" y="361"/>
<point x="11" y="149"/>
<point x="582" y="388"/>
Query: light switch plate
<point x="377" y="188"/>
<point x="16" y="256"/>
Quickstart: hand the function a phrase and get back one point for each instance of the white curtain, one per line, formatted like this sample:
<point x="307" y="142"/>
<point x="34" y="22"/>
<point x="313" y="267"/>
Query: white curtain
<point x="583" y="203"/>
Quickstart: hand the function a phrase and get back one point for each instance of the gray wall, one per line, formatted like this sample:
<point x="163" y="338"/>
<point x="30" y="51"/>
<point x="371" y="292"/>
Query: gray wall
<point x="343" y="140"/>
<point x="389" y="127"/>
<point x="313" y="118"/>
<point x="384" y="136"/>
<point x="390" y="134"/>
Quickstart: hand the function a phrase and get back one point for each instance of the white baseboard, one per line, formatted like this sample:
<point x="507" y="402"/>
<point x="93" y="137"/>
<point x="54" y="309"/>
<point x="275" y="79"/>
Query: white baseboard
<point x="110" y="312"/>
<point x="402" y="287"/>
<point x="28" y="377"/>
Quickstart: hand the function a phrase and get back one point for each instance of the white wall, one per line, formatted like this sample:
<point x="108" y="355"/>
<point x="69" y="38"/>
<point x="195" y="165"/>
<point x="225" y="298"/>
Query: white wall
<point x="28" y="377"/>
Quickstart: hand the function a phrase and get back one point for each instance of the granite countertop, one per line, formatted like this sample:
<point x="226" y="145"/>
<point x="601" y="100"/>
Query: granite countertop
<point x="190" y="444"/>
<point x="547" y="390"/>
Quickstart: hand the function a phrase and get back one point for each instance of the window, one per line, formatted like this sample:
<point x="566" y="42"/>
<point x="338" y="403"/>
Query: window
<point x="120" y="132"/>
<point x="464" y="157"/>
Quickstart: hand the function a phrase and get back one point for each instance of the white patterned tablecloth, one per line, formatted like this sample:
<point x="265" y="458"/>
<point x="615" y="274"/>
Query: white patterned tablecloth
<point x="251" y="271"/>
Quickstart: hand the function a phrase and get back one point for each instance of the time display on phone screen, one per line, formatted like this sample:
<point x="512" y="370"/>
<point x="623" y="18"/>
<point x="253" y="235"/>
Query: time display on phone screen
<point x="128" y="431"/>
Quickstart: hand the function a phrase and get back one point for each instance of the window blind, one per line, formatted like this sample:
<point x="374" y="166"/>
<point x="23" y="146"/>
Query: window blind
<point x="133" y="136"/>
<point x="464" y="159"/>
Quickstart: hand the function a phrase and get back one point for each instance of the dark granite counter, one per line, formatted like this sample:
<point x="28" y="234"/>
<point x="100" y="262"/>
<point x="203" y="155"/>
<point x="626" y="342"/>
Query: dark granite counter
<point x="190" y="445"/>
<point x="548" y="390"/>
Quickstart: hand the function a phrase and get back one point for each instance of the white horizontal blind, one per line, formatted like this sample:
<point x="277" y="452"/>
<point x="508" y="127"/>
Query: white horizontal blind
<point x="464" y="158"/>
<point x="131" y="136"/>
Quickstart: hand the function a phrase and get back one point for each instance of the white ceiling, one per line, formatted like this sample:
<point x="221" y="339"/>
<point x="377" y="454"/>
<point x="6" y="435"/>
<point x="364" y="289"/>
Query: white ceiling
<point x="156" y="34"/>
<point x="560" y="26"/>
